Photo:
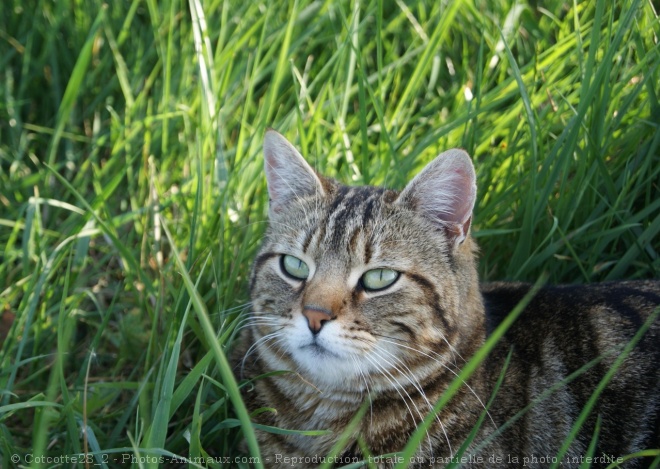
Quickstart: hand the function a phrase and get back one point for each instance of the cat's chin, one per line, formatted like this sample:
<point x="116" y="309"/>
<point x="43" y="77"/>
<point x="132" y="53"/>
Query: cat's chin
<point x="323" y="366"/>
<point x="318" y="351"/>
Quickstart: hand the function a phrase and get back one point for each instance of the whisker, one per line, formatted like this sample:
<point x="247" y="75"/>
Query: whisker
<point x="452" y="349"/>
<point x="448" y="369"/>
<point x="396" y="386"/>
<point x="366" y="384"/>
<point x="417" y="385"/>
<point x="266" y="338"/>
<point x="257" y="323"/>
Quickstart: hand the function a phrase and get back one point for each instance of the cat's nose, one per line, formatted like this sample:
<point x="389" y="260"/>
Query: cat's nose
<point x="316" y="317"/>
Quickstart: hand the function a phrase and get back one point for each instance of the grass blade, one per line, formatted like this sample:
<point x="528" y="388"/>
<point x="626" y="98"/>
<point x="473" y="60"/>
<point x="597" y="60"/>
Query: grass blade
<point x="220" y="359"/>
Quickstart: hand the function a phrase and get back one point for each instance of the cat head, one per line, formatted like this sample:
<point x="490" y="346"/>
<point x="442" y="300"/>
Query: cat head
<point x="363" y="280"/>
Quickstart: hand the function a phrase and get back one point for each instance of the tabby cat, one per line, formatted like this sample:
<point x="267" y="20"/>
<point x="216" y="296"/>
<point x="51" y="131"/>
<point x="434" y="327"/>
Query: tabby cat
<point x="368" y="294"/>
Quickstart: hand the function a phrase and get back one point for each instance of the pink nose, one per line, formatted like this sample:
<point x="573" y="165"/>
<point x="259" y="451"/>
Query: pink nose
<point x="316" y="317"/>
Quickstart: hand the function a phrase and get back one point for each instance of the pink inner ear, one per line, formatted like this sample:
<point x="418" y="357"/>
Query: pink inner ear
<point x="458" y="230"/>
<point x="445" y="192"/>
<point x="462" y="188"/>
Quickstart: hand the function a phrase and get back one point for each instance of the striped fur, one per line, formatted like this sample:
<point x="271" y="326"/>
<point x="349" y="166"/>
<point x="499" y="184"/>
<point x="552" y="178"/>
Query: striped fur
<point x="400" y="348"/>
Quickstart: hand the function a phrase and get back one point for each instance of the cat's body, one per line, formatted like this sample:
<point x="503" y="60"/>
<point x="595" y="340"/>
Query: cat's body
<point x="562" y="329"/>
<point x="367" y="294"/>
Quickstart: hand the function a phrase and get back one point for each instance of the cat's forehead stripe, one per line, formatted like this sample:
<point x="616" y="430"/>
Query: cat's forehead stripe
<point x="354" y="237"/>
<point x="352" y="209"/>
<point x="308" y="238"/>
<point x="368" y="212"/>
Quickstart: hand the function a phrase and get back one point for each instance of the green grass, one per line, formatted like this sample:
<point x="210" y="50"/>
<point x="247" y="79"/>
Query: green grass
<point x="132" y="198"/>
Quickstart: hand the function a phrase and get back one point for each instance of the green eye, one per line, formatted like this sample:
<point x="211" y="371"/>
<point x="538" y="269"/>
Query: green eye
<point x="294" y="267"/>
<point x="379" y="279"/>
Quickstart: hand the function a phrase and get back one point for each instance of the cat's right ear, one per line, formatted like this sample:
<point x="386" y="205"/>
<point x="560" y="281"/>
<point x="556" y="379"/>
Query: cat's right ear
<point x="444" y="192"/>
<point x="289" y="176"/>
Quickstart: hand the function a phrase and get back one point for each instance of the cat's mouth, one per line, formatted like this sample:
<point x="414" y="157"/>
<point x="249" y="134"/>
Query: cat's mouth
<point x="318" y="350"/>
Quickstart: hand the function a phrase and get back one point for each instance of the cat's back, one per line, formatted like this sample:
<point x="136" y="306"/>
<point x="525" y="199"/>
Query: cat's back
<point x="629" y="299"/>
<point x="562" y="345"/>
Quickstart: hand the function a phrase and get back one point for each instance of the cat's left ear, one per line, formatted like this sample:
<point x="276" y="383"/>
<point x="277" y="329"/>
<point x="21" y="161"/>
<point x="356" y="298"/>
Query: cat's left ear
<point x="289" y="176"/>
<point x="444" y="193"/>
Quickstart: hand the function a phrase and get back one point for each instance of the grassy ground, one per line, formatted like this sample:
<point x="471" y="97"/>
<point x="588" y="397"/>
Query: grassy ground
<point x="132" y="198"/>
